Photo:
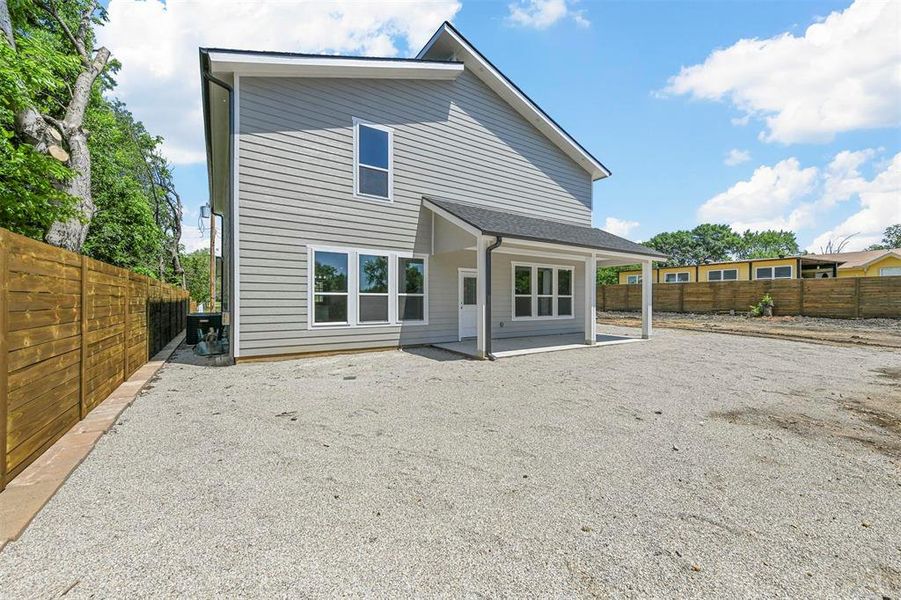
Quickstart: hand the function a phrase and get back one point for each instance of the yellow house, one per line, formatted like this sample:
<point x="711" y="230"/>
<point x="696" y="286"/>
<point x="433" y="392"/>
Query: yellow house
<point x="870" y="263"/>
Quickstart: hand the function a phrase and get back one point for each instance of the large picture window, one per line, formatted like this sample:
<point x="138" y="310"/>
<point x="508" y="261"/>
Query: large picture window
<point x="373" y="161"/>
<point x="542" y="292"/>
<point x="411" y="289"/>
<point x="367" y="288"/>
<point x="373" y="276"/>
<point x="330" y="300"/>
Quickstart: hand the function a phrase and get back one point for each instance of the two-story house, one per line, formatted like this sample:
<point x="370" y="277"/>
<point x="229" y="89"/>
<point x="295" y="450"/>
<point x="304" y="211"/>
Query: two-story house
<point x="383" y="202"/>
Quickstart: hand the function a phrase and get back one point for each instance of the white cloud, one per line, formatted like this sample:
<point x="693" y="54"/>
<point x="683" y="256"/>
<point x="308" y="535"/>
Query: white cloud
<point x="157" y="44"/>
<point x="787" y="196"/>
<point x="620" y="227"/>
<point x="541" y="14"/>
<point x="880" y="206"/>
<point x="759" y="202"/>
<point x="841" y="75"/>
<point x="736" y="157"/>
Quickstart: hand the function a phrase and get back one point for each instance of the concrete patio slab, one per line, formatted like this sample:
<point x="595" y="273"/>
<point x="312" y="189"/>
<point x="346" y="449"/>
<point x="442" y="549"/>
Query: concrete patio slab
<point x="27" y="494"/>
<point x="535" y="344"/>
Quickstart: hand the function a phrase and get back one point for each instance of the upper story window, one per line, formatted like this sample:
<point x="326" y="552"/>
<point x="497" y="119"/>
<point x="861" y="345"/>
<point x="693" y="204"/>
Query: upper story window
<point x="773" y="273"/>
<point x="722" y="275"/>
<point x="373" y="161"/>
<point x="681" y="277"/>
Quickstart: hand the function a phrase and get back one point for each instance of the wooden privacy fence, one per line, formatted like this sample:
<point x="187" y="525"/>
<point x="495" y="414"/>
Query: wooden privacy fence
<point x="71" y="330"/>
<point x="845" y="298"/>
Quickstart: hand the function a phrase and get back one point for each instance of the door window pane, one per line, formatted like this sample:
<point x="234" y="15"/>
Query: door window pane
<point x="373" y="308"/>
<point x="523" y="306"/>
<point x="373" y="146"/>
<point x="373" y="182"/>
<point x="545" y="307"/>
<point x="412" y="275"/>
<point x="469" y="291"/>
<point x="411" y="308"/>
<point x="330" y="309"/>
<point x="564" y="282"/>
<point x="564" y="307"/>
<point x="331" y="272"/>
<point x="545" y="282"/>
<point x="373" y="274"/>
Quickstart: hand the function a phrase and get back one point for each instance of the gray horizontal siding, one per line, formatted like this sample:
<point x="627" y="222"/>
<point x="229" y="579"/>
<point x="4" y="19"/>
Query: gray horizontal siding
<point x="455" y="139"/>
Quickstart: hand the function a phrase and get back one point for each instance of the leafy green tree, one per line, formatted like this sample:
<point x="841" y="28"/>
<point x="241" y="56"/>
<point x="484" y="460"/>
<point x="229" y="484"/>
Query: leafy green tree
<point x="767" y="244"/>
<point x="891" y="238"/>
<point x="197" y="275"/>
<point x="705" y="243"/>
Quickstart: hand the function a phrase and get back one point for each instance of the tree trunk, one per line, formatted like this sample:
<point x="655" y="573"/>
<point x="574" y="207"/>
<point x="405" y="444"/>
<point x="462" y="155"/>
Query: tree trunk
<point x="6" y="25"/>
<point x="71" y="234"/>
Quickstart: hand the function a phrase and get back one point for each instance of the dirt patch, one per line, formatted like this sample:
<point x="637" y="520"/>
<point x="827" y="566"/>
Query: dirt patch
<point x="883" y="439"/>
<point x="882" y="333"/>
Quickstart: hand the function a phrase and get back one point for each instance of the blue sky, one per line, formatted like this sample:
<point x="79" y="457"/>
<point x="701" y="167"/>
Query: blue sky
<point x="604" y="72"/>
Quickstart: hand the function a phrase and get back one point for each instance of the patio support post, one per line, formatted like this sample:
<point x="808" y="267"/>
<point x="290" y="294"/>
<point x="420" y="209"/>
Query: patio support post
<point x="646" y="299"/>
<point x="481" y="297"/>
<point x="591" y="300"/>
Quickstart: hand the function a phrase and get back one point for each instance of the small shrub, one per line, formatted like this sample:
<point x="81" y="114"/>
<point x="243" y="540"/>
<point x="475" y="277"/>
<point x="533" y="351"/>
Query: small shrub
<point x="763" y="308"/>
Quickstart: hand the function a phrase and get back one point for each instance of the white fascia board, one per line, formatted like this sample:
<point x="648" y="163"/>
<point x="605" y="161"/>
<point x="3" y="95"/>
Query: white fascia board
<point x="262" y="65"/>
<point x="600" y="253"/>
<point x="495" y="80"/>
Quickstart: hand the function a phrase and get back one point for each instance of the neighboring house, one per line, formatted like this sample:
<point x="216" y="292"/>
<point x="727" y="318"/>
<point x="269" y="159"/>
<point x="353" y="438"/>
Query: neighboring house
<point x="377" y="202"/>
<point x="871" y="263"/>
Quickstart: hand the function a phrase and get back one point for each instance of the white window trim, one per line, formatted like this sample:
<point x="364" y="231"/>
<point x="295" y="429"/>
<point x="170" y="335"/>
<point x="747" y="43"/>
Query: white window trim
<point x="676" y="274"/>
<point x="534" y="295"/>
<point x="369" y="197"/>
<point x="424" y="294"/>
<point x="360" y="321"/>
<point x="791" y="272"/>
<point x="353" y="309"/>
<point x="637" y="279"/>
<point x="722" y="273"/>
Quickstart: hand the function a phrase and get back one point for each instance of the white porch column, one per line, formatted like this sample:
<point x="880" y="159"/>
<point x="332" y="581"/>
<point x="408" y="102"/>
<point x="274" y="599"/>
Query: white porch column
<point x="647" y="297"/>
<point x="591" y="300"/>
<point x="481" y="297"/>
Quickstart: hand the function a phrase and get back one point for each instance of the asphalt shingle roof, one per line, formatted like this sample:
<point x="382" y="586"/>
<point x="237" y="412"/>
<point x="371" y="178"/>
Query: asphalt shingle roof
<point x="506" y="224"/>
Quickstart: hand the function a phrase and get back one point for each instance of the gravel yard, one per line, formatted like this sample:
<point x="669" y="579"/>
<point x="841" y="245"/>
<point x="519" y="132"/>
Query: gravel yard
<point x="693" y="465"/>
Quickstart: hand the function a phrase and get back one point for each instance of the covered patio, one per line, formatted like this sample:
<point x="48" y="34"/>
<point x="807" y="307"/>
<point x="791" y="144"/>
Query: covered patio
<point x="510" y="321"/>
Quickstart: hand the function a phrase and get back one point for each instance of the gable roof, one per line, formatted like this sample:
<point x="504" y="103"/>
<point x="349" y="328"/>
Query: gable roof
<point x="507" y="224"/>
<point x="449" y="44"/>
<point x="859" y="260"/>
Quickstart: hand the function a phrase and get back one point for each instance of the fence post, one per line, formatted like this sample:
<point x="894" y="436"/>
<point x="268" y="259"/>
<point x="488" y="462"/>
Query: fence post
<point x="4" y="352"/>
<point x="126" y="310"/>
<point x="82" y="377"/>
<point x="857" y="297"/>
<point x="681" y="298"/>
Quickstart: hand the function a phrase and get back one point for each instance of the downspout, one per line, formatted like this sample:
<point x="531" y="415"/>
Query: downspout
<point x="498" y="241"/>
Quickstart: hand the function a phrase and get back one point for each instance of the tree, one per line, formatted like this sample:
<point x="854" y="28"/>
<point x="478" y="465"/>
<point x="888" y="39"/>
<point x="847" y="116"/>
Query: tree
<point x="197" y="275"/>
<point x="767" y="244"/>
<point x="705" y="243"/>
<point x="50" y="118"/>
<point x="891" y="238"/>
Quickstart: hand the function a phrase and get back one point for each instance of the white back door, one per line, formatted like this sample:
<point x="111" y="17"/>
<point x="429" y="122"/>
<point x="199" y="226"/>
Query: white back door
<point x="467" y="318"/>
